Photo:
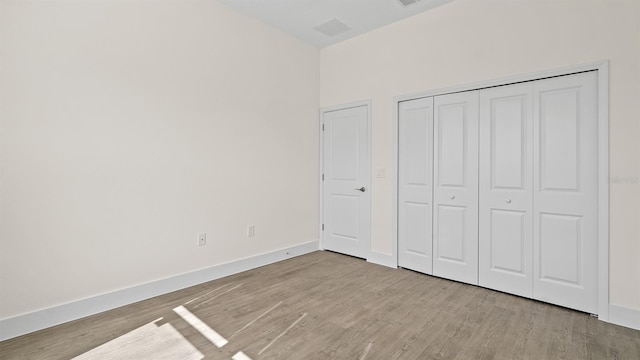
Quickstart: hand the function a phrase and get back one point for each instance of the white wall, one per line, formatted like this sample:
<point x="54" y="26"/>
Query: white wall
<point x="468" y="41"/>
<point x="127" y="127"/>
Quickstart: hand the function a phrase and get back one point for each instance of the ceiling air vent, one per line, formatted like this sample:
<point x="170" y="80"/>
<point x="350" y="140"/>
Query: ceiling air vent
<point x="408" y="2"/>
<point x="332" y="27"/>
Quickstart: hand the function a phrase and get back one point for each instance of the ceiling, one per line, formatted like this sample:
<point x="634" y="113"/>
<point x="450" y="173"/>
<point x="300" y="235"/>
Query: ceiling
<point x="301" y="17"/>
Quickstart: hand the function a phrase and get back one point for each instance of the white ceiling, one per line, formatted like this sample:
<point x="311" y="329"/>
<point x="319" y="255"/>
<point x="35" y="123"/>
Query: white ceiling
<point x="299" y="17"/>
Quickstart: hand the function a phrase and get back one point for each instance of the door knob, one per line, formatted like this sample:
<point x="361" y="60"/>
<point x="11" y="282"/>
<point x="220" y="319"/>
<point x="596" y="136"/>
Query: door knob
<point x="363" y="189"/>
<point x="508" y="201"/>
<point x="452" y="197"/>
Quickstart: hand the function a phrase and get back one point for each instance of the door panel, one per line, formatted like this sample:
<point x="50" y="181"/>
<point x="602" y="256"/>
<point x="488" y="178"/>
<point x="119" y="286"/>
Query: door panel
<point x="505" y="186"/>
<point x="451" y="237"/>
<point x="508" y="243"/>
<point x="452" y="143"/>
<point x="455" y="221"/>
<point x="560" y="243"/>
<point x="346" y="210"/>
<point x="416" y="229"/>
<point x="415" y="164"/>
<point x="344" y="216"/>
<point x="343" y="145"/>
<point x="559" y="133"/>
<point x="508" y="122"/>
<point x="566" y="191"/>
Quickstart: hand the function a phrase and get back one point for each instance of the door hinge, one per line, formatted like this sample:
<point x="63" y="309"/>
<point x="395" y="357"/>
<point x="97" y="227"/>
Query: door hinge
<point x="322" y="227"/>
<point x="322" y="177"/>
<point x="322" y="127"/>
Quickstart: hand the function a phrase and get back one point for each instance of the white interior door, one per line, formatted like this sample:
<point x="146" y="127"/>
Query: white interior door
<point x="415" y="184"/>
<point x="505" y="189"/>
<point x="346" y="185"/>
<point x="455" y="195"/>
<point x="565" y="222"/>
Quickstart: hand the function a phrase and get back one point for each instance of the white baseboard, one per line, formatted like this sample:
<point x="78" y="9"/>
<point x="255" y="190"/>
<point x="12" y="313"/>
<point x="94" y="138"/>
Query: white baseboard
<point x="624" y="316"/>
<point x="38" y="320"/>
<point x="382" y="259"/>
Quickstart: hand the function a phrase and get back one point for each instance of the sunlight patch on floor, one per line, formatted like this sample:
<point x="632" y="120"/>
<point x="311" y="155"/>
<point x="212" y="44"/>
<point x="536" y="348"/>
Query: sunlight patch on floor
<point x="146" y="342"/>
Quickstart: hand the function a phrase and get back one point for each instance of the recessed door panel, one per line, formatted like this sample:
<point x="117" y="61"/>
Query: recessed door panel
<point x="344" y="150"/>
<point x="417" y="124"/>
<point x="508" y="242"/>
<point x="560" y="247"/>
<point x="508" y="142"/>
<point x="415" y="178"/>
<point x="416" y="228"/>
<point x="344" y="216"/>
<point x="505" y="187"/>
<point x="346" y="210"/>
<point x="559" y="125"/>
<point x="566" y="191"/>
<point x="455" y="222"/>
<point x="451" y="237"/>
<point x="452" y="143"/>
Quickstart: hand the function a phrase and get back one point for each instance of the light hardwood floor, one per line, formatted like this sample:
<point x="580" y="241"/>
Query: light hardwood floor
<point x="329" y="306"/>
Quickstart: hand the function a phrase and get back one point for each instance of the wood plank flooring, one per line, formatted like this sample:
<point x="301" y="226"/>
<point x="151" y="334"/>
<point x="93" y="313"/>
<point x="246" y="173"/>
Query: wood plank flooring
<point x="329" y="306"/>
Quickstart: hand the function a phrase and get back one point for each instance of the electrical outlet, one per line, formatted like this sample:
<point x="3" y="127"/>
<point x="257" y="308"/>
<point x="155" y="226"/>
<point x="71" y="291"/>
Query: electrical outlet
<point x="202" y="239"/>
<point x="251" y="230"/>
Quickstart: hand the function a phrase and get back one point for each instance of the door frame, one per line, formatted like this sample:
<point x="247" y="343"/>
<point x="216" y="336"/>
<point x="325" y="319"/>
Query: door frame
<point x="323" y="110"/>
<point x="602" y="67"/>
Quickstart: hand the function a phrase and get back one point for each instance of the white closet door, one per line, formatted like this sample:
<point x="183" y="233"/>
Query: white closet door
<point x="566" y="191"/>
<point x="415" y="164"/>
<point x="455" y="196"/>
<point x="505" y="213"/>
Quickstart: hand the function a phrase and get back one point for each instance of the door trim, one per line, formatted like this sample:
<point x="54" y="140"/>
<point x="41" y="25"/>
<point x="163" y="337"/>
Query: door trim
<point x="602" y="67"/>
<point x="321" y="113"/>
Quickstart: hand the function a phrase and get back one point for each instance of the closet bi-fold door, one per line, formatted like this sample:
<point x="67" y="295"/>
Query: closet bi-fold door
<point x="505" y="189"/>
<point x="415" y="164"/>
<point x="455" y="194"/>
<point x="565" y="198"/>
